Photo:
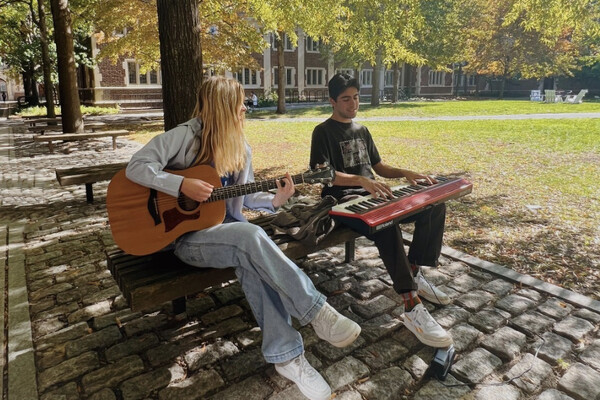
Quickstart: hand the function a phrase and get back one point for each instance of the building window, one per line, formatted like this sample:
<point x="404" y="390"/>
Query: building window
<point x="436" y="78"/>
<point x="389" y="78"/>
<point x="134" y="77"/>
<point x="2" y="86"/>
<point x="247" y="77"/>
<point x="315" y="77"/>
<point x="366" y="77"/>
<point x="470" y="80"/>
<point x="312" y="45"/>
<point x="286" y="39"/>
<point x="289" y="76"/>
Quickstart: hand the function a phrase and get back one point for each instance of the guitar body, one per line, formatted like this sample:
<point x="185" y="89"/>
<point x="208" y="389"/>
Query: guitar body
<point x="144" y="221"/>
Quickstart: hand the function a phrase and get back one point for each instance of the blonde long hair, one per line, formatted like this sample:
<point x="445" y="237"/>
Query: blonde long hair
<point x="222" y="141"/>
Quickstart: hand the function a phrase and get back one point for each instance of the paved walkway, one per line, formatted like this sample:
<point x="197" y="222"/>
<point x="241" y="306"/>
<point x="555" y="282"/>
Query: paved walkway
<point x="70" y="335"/>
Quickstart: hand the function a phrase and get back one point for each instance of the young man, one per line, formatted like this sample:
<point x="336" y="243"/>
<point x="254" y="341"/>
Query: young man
<point x="349" y="148"/>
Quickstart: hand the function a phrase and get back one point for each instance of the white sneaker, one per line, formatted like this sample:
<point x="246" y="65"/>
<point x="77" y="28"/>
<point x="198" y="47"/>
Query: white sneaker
<point x="428" y="291"/>
<point x="308" y="379"/>
<point x="426" y="329"/>
<point x="332" y="326"/>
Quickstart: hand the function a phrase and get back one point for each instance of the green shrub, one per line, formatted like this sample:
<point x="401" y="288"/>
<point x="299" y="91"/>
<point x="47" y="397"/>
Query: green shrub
<point x="85" y="110"/>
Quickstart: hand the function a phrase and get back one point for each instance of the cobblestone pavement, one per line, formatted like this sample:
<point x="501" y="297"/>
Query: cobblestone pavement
<point x="69" y="333"/>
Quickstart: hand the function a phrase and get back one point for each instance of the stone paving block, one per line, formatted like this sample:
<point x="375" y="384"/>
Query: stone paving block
<point x="193" y="387"/>
<point x="94" y="340"/>
<point x="255" y="385"/>
<point x="574" y="328"/>
<point x="436" y="390"/>
<point x="489" y="320"/>
<point x="104" y="394"/>
<point x="530" y="294"/>
<point x="144" y="324"/>
<point x="141" y="386"/>
<point x="464" y="335"/>
<point x="221" y="314"/>
<point x="134" y="345"/>
<point x="367" y="289"/>
<point x="580" y="382"/>
<point x="505" y="343"/>
<point x="449" y="316"/>
<point x="370" y="308"/>
<point x="199" y="305"/>
<point x="242" y="364"/>
<point x="552" y="347"/>
<point x="332" y="353"/>
<point x="553" y="394"/>
<point x="349" y="395"/>
<point x="369" y="272"/>
<point x="464" y="283"/>
<point x="475" y="300"/>
<point x="387" y="384"/>
<point x="341" y="301"/>
<point x="116" y="318"/>
<point x="68" y="370"/>
<point x="337" y="285"/>
<point x="89" y="312"/>
<point x="591" y="355"/>
<point x="416" y="366"/>
<point x="532" y="372"/>
<point x="229" y="293"/>
<point x="499" y="287"/>
<point x="532" y="322"/>
<point x="455" y="268"/>
<point x="345" y="372"/>
<point x="66" y="392"/>
<point x="381" y="354"/>
<point x="249" y="338"/>
<point x="377" y="327"/>
<point x="435" y="275"/>
<point x="204" y="355"/>
<point x="164" y="353"/>
<point x="497" y="391"/>
<point x="515" y="304"/>
<point x="112" y="374"/>
<point x="476" y="365"/>
<point x="555" y="308"/>
<point x="587" y="314"/>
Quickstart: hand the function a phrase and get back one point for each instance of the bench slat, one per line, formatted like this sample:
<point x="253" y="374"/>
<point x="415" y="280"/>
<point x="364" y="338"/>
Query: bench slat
<point x="91" y="174"/>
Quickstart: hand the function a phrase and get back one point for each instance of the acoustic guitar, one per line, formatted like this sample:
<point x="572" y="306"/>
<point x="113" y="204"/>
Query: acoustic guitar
<point x="144" y="220"/>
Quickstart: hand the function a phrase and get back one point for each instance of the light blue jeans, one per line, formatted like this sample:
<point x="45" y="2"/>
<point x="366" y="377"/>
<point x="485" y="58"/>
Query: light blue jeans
<point x="274" y="286"/>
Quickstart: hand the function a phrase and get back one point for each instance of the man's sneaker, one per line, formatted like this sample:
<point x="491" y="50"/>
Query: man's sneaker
<point x="428" y="291"/>
<point x="426" y="329"/>
<point x="332" y="326"/>
<point x="308" y="379"/>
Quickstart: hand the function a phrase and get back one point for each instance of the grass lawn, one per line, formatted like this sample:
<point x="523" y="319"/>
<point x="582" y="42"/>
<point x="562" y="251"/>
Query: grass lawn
<point x="431" y="108"/>
<point x="535" y="206"/>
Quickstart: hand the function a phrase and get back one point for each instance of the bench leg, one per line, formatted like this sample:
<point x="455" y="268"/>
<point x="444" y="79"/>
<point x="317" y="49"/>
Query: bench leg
<point x="350" y="248"/>
<point x="179" y="306"/>
<point x="114" y="142"/>
<point x="89" y="193"/>
<point x="50" y="145"/>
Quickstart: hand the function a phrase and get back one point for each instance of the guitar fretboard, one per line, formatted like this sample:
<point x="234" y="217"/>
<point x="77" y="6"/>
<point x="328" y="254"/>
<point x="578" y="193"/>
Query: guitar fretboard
<point x="228" y="192"/>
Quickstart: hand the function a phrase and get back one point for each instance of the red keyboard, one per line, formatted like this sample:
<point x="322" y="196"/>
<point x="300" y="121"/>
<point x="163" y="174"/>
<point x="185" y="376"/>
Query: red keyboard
<point x="368" y="215"/>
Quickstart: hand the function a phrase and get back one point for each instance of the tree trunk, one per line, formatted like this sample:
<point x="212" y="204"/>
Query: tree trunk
<point x="46" y="63"/>
<point x="30" y="85"/>
<point x="408" y="81"/>
<point x="502" y="82"/>
<point x="72" y="121"/>
<point x="181" y="58"/>
<point x="395" y="84"/>
<point x="375" y="80"/>
<point x="457" y="83"/>
<point x="281" y="74"/>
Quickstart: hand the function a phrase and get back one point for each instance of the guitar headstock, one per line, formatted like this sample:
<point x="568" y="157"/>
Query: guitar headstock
<point x="324" y="174"/>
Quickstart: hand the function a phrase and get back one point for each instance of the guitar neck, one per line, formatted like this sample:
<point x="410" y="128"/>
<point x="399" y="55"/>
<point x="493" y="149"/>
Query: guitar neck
<point x="228" y="192"/>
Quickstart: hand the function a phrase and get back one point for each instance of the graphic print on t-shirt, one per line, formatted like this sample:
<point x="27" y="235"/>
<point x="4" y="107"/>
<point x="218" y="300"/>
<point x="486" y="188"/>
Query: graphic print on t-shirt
<point x="354" y="152"/>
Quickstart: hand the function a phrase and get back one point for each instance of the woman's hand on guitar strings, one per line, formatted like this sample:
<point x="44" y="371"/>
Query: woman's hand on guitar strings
<point x="196" y="189"/>
<point x="285" y="190"/>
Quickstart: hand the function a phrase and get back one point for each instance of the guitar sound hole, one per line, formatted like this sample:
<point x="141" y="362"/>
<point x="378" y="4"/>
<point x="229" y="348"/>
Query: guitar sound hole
<point x="187" y="204"/>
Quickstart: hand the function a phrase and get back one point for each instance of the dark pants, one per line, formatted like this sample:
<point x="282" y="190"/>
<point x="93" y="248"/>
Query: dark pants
<point x="424" y="249"/>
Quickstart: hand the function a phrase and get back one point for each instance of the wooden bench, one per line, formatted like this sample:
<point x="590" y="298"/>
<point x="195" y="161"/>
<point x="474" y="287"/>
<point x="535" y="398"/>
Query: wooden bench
<point x="149" y="281"/>
<point x="35" y="121"/>
<point x="92" y="126"/>
<point x="88" y="176"/>
<point x="81" y="136"/>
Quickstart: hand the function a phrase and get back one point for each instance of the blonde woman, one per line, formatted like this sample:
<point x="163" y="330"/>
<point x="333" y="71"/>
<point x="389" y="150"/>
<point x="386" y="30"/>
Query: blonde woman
<point x="274" y="286"/>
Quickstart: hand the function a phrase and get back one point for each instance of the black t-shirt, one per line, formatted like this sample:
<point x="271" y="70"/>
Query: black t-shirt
<point x="347" y="147"/>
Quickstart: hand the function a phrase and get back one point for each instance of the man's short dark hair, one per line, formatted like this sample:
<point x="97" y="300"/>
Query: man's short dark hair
<point x="339" y="83"/>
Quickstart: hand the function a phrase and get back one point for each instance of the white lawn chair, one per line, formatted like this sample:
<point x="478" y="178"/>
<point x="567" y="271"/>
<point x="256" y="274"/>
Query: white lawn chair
<point x="550" y="96"/>
<point x="576" y="99"/>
